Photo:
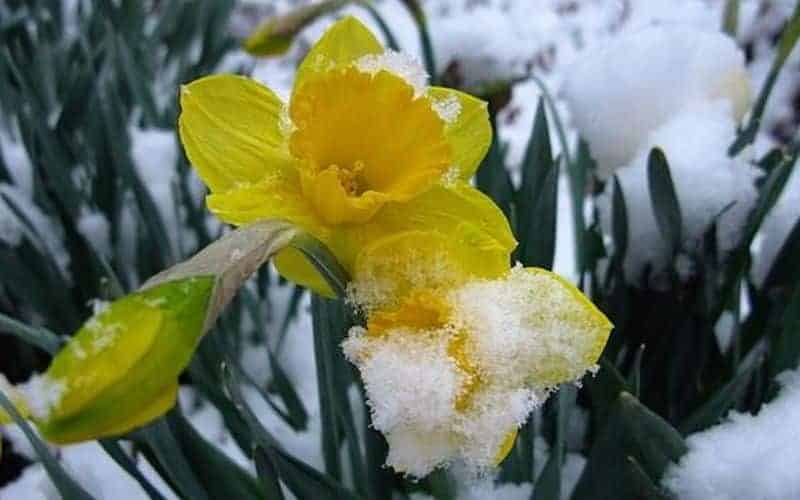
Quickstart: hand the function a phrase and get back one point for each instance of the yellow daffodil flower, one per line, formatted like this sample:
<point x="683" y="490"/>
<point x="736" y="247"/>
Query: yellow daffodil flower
<point x="363" y="149"/>
<point x="454" y="364"/>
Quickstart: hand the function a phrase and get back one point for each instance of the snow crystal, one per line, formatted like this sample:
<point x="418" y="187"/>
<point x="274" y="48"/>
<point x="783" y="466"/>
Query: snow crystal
<point x="42" y="394"/>
<point x="747" y="456"/>
<point x="448" y="108"/>
<point x="397" y="63"/>
<point x="621" y="91"/>
<point x="695" y="144"/>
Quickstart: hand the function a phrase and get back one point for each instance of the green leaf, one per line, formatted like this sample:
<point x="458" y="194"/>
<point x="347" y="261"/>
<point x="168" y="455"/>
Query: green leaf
<point x="169" y="459"/>
<point x="787" y="41"/>
<point x="730" y="18"/>
<point x="619" y="222"/>
<point x="40" y="337"/>
<point x="785" y="269"/>
<point x="492" y="178"/>
<point x="268" y="474"/>
<point x="548" y="485"/>
<point x="537" y="197"/>
<point x="324" y="261"/>
<point x="712" y="411"/>
<point x="666" y="207"/>
<point x="784" y="352"/>
<point x="65" y="485"/>
<point x="632" y="431"/>
<point x="303" y="480"/>
<point x="116" y="452"/>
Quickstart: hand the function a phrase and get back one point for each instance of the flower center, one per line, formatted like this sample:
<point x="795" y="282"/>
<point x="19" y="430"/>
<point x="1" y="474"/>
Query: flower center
<point x="350" y="177"/>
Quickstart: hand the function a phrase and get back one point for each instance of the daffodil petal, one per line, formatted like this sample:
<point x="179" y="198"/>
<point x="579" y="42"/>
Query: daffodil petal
<point x="389" y="269"/>
<point x="467" y="129"/>
<point x="295" y="267"/>
<point x="276" y="197"/>
<point x="455" y="210"/>
<point x="233" y="130"/>
<point x="344" y="42"/>
<point x="506" y="447"/>
<point x="569" y="309"/>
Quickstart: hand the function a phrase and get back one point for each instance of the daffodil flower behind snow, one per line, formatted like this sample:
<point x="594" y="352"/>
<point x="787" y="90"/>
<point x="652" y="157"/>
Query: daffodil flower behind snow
<point x="452" y="371"/>
<point x="363" y="149"/>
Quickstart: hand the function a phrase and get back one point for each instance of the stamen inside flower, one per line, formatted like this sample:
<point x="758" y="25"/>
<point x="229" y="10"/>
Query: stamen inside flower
<point x="364" y="139"/>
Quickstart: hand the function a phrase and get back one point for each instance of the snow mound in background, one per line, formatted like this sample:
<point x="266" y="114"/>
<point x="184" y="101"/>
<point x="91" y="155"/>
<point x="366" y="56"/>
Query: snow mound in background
<point x="621" y="91"/>
<point x="746" y="457"/>
<point x="710" y="185"/>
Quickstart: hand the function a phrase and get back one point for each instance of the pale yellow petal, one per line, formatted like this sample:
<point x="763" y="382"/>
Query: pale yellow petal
<point x="468" y="129"/>
<point x="233" y="130"/>
<point x="344" y="42"/>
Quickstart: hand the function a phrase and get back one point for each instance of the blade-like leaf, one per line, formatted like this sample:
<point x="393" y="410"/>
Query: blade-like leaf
<point x="666" y="207"/>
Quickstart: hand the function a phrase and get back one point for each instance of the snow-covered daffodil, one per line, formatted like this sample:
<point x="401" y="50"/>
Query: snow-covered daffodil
<point x="454" y="365"/>
<point x="121" y="369"/>
<point x="363" y="149"/>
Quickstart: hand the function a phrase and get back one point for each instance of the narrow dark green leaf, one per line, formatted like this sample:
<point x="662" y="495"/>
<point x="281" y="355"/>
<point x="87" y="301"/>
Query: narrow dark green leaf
<point x="268" y="474"/>
<point x="785" y="269"/>
<point x="492" y="178"/>
<point x="116" y="452"/>
<point x="619" y="222"/>
<point x="170" y="459"/>
<point x="40" y="337"/>
<point x="712" y="411"/>
<point x="548" y="485"/>
<point x="65" y="485"/>
<point x="666" y="207"/>
<point x="324" y="261"/>
<point x="536" y="166"/>
<point x="787" y="41"/>
<point x="730" y="18"/>
<point x="632" y="431"/>
<point x="642" y="486"/>
<point x="784" y="353"/>
<point x="303" y="480"/>
<point x="281" y="385"/>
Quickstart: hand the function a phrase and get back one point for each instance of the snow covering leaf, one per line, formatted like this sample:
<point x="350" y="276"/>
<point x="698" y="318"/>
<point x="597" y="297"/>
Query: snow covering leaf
<point x="65" y="485"/>
<point x="630" y="431"/>
<point x="666" y="207"/>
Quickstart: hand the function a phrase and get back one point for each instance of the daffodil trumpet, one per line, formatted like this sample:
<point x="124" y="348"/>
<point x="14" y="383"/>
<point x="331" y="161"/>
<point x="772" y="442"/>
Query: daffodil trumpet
<point x="120" y="370"/>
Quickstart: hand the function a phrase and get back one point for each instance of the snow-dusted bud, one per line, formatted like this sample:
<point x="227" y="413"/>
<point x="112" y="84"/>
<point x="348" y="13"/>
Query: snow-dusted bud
<point x="121" y="369"/>
<point x="623" y="90"/>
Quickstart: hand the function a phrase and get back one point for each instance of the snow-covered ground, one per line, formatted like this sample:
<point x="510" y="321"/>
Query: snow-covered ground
<point x="500" y="40"/>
